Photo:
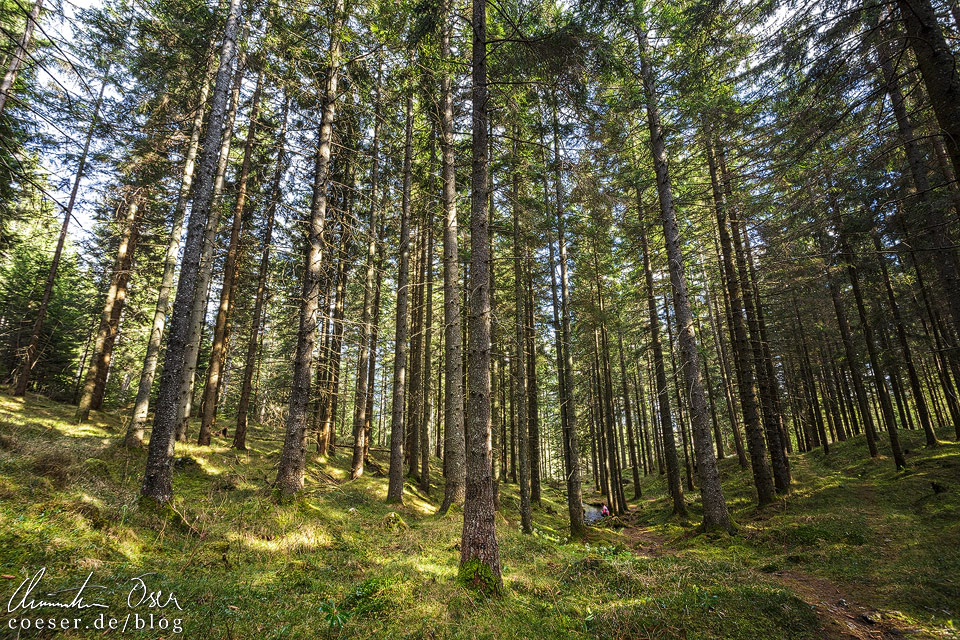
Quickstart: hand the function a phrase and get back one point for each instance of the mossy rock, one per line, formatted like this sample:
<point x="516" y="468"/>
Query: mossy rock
<point x="394" y="522"/>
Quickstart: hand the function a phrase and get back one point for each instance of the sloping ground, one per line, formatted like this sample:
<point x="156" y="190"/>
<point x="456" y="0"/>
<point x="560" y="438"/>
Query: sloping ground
<point x="875" y="552"/>
<point x="341" y="563"/>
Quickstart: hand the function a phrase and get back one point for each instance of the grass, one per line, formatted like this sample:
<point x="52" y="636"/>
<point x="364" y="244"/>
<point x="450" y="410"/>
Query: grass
<point x="340" y="563"/>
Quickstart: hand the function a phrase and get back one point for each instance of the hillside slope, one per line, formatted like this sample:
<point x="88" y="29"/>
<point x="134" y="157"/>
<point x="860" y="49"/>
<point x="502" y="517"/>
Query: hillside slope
<point x="854" y="540"/>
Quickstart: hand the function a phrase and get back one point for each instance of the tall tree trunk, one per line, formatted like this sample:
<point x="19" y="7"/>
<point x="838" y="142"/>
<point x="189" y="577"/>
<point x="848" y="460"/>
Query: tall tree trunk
<point x="938" y="67"/>
<point x="816" y="415"/>
<point x="427" y="420"/>
<point x="533" y="388"/>
<point x="30" y="355"/>
<point x="158" y="476"/>
<point x="397" y="434"/>
<point x="141" y="405"/>
<point x="715" y="514"/>
<point x="770" y="416"/>
<point x="678" y="392"/>
<point x="728" y="378"/>
<point x="708" y="377"/>
<point x="568" y="401"/>
<point x="767" y="357"/>
<point x="496" y="345"/>
<point x="327" y="434"/>
<point x="479" y="551"/>
<point x="201" y="300"/>
<point x="762" y="476"/>
<point x="935" y="235"/>
<point x="521" y="356"/>
<point x="878" y="372"/>
<point x="558" y="346"/>
<point x="116" y="293"/>
<point x="246" y="387"/>
<point x="211" y="390"/>
<point x="454" y="447"/>
<point x="618" y="503"/>
<point x="366" y="339"/>
<point x="922" y="412"/>
<point x="852" y="361"/>
<point x="21" y="52"/>
<point x="292" y="456"/>
<point x="629" y="415"/>
<point x="415" y="395"/>
<point x="669" y="445"/>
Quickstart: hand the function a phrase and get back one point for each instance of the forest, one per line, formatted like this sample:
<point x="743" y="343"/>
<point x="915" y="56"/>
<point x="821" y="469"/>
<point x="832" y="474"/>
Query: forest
<point x="489" y="319"/>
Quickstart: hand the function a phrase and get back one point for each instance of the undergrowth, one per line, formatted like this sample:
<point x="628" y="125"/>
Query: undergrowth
<point x="341" y="563"/>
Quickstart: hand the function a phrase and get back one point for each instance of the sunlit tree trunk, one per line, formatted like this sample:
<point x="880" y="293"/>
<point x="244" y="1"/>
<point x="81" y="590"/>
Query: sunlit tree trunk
<point x="397" y="425"/>
<point x="211" y="389"/>
<point x="19" y="54"/>
<point x="116" y="293"/>
<point x="715" y="515"/>
<point x="366" y="338"/>
<point x="762" y="476"/>
<point x="158" y="476"/>
<point x="141" y="405"/>
<point x="292" y="455"/>
<point x="198" y="309"/>
<point x="454" y="447"/>
<point x="246" y="387"/>
<point x="520" y="370"/>
<point x="669" y="446"/>
<point x="479" y="551"/>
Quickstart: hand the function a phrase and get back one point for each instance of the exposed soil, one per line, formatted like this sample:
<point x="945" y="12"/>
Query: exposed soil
<point x="842" y="617"/>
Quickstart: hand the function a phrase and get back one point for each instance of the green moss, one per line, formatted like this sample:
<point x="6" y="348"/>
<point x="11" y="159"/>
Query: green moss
<point x="477" y="575"/>
<point x="336" y="562"/>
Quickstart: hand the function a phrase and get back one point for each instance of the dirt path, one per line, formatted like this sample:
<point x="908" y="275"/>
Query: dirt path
<point x="842" y="617"/>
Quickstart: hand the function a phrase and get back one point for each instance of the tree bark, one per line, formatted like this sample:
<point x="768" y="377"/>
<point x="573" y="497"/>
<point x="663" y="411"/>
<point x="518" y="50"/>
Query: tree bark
<point x="366" y="340"/>
<point x="635" y="467"/>
<point x="397" y="434"/>
<point x="715" y="514"/>
<point x="852" y="361"/>
<point x="923" y="412"/>
<point x="141" y="406"/>
<point x="415" y="394"/>
<point x="201" y="300"/>
<point x="289" y="480"/>
<point x="6" y="85"/>
<point x="533" y="388"/>
<point x="521" y="357"/>
<point x="427" y="420"/>
<point x="935" y="235"/>
<point x="762" y="476"/>
<point x="246" y="387"/>
<point x="211" y="390"/>
<point x="158" y="476"/>
<point x="938" y="67"/>
<point x="879" y="376"/>
<point x="568" y="402"/>
<point x="454" y="447"/>
<point x="669" y="445"/>
<point x="479" y="551"/>
<point x="116" y="293"/>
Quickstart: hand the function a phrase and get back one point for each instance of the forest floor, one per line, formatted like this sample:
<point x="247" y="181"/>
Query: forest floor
<point x="856" y="550"/>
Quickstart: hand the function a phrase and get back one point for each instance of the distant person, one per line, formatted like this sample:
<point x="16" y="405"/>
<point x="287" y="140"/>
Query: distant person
<point x="604" y="512"/>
